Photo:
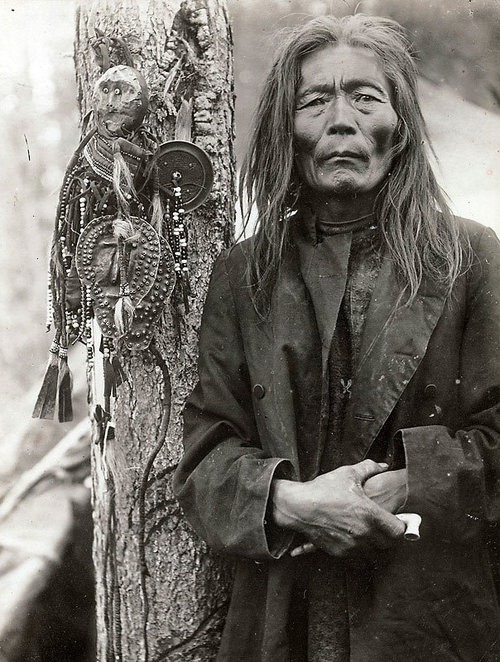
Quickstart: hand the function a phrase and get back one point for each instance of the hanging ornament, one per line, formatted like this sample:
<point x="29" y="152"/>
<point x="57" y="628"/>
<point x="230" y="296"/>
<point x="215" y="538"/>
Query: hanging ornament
<point x="139" y="265"/>
<point x="189" y="166"/>
<point x="184" y="176"/>
<point x="120" y="239"/>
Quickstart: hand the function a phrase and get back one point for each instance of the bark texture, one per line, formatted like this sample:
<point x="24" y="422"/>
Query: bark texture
<point x="160" y="594"/>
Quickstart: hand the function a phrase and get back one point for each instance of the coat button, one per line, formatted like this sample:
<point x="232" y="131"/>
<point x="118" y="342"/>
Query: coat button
<point x="258" y="391"/>
<point x="430" y="390"/>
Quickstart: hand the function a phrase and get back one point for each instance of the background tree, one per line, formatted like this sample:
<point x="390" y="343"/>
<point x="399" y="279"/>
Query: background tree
<point x="160" y="594"/>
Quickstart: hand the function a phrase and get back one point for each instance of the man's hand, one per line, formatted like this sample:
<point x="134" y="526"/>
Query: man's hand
<point x="333" y="511"/>
<point x="388" y="489"/>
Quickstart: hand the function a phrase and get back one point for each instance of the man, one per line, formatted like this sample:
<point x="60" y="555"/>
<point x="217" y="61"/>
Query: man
<point x="347" y="373"/>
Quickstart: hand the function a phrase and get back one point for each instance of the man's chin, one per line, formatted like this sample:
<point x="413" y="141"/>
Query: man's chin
<point x="341" y="187"/>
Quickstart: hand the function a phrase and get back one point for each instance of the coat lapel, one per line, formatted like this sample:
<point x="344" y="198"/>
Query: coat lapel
<point x="291" y="334"/>
<point x="395" y="339"/>
<point x="324" y="270"/>
<point x="304" y="311"/>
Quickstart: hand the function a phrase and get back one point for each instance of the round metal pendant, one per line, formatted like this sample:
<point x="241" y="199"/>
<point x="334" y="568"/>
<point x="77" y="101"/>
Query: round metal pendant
<point x="189" y="166"/>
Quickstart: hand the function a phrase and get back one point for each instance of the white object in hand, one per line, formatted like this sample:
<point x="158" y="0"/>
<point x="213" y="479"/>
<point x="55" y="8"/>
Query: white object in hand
<point x="412" y="521"/>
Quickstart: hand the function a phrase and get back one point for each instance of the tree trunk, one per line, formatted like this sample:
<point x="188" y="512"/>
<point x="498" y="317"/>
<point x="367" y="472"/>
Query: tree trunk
<point x="160" y="594"/>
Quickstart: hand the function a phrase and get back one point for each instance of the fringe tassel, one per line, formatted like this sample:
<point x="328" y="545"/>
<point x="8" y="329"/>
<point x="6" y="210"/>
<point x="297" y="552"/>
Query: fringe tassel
<point x="123" y="230"/>
<point x="46" y="402"/>
<point x="184" y="120"/>
<point x="124" y="312"/>
<point x="64" y="388"/>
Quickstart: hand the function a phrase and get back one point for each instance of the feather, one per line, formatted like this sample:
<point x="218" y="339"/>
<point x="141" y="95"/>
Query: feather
<point x="183" y="120"/>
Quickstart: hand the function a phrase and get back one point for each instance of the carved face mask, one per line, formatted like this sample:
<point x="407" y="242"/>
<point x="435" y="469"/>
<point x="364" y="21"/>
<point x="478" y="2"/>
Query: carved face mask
<point x="120" y="101"/>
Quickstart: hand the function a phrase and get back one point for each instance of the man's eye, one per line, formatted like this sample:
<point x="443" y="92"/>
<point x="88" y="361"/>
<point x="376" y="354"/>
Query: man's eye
<point x="117" y="91"/>
<point x="317" y="102"/>
<point x="105" y="90"/>
<point x="312" y="103"/>
<point x="365" y="98"/>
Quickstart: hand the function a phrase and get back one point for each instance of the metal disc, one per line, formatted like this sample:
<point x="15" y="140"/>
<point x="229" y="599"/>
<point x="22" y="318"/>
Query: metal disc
<point x="194" y="167"/>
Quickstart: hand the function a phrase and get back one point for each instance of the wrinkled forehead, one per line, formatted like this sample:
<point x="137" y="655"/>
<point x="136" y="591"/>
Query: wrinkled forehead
<point x="337" y="60"/>
<point x="338" y="63"/>
<point x="123" y="75"/>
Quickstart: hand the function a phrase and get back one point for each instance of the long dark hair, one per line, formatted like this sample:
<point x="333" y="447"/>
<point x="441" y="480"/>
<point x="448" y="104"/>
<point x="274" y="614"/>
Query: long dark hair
<point x="417" y="225"/>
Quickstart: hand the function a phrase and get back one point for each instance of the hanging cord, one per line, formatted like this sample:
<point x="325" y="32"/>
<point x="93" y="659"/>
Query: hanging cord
<point x="112" y="611"/>
<point x="162" y="433"/>
<point x="178" y="239"/>
<point x="117" y="617"/>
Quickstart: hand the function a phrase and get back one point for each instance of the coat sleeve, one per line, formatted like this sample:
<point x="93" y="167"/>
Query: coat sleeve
<point x="224" y="478"/>
<point x="454" y="476"/>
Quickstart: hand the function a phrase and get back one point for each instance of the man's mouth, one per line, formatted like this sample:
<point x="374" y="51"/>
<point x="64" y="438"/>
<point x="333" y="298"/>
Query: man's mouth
<point x="344" y="154"/>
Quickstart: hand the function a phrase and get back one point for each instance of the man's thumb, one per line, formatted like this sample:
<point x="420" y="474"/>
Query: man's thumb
<point x="368" y="468"/>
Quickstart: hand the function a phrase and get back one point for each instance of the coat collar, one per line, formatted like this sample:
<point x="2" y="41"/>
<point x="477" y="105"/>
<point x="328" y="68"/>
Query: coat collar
<point x="323" y="267"/>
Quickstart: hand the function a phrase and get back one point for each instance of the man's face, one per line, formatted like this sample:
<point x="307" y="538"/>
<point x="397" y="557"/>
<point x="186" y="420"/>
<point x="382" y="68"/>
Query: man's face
<point x="120" y="101"/>
<point x="344" y="122"/>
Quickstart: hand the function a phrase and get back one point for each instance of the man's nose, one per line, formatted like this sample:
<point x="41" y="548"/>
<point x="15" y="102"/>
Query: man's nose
<point x="340" y="117"/>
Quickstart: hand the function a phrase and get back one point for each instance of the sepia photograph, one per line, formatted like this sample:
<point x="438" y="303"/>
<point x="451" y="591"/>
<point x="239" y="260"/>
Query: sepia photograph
<point x="251" y="331"/>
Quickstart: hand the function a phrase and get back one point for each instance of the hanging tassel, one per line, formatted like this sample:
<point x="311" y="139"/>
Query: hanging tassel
<point x="123" y="229"/>
<point x="46" y="402"/>
<point x="157" y="214"/>
<point x="64" y="388"/>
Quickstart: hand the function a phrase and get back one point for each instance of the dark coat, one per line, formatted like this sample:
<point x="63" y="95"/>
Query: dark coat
<point x="426" y="384"/>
